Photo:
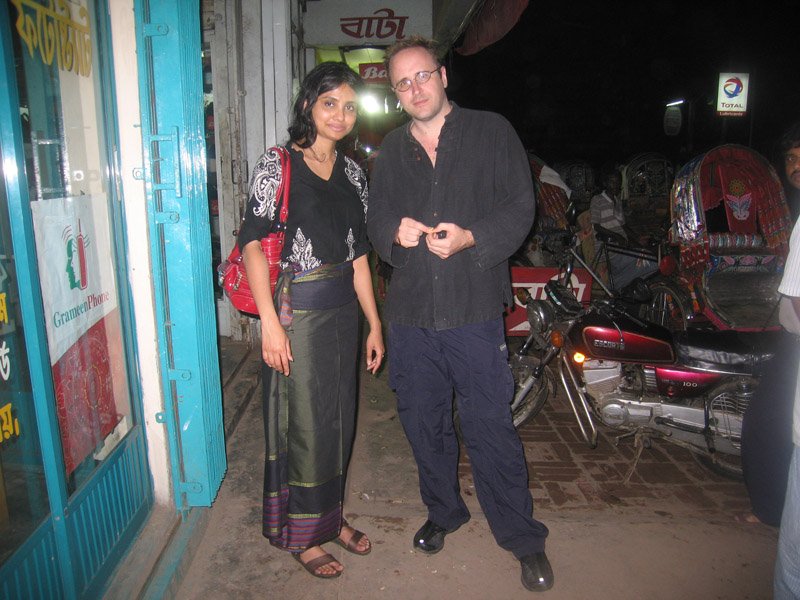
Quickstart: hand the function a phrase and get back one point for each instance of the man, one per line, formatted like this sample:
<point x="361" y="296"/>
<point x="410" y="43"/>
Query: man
<point x="606" y="209"/>
<point x="451" y="199"/>
<point x="789" y="148"/>
<point x="766" y="428"/>
<point x="787" y="564"/>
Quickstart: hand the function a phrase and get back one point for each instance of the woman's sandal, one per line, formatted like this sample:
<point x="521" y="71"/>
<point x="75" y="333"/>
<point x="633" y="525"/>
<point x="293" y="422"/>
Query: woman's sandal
<point x="352" y="544"/>
<point x="315" y="563"/>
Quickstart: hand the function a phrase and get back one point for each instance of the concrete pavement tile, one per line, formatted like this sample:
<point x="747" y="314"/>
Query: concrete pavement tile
<point x="608" y="539"/>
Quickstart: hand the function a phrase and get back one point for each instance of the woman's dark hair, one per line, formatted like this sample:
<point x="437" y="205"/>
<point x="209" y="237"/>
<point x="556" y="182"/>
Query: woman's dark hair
<point x="323" y="78"/>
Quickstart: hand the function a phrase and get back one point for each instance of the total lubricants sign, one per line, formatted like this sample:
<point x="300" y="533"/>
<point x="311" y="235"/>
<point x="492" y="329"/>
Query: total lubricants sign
<point x="732" y="94"/>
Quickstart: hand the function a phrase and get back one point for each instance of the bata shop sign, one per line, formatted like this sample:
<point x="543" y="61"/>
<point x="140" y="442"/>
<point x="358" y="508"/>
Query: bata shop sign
<point x="732" y="94"/>
<point x="348" y="23"/>
<point x="373" y="72"/>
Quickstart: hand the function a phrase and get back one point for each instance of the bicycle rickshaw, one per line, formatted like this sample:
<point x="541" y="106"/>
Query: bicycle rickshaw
<point x="531" y="266"/>
<point x="727" y="244"/>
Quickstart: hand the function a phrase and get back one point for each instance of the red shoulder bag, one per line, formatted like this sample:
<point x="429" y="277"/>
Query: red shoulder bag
<point x="231" y="273"/>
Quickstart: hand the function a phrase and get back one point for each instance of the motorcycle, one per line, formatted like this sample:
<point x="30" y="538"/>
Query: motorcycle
<point x="637" y="378"/>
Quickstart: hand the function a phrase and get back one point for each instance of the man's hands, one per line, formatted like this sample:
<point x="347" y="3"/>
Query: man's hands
<point x="444" y="240"/>
<point x="454" y="241"/>
<point x="409" y="231"/>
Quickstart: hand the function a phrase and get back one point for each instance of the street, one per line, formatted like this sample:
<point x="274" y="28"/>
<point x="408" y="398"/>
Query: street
<point x="675" y="530"/>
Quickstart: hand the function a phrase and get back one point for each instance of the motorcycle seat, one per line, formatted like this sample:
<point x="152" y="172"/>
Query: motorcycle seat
<point x="724" y="351"/>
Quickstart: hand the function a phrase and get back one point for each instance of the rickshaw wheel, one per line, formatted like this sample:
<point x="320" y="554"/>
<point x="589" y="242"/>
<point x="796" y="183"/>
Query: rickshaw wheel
<point x="669" y="306"/>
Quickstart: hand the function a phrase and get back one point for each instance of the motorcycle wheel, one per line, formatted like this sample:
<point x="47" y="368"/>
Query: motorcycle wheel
<point x="669" y="306"/>
<point x="726" y="465"/>
<point x="726" y="404"/>
<point x="532" y="403"/>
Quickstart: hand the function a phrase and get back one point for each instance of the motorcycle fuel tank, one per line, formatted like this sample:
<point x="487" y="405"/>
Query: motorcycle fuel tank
<point x="622" y="339"/>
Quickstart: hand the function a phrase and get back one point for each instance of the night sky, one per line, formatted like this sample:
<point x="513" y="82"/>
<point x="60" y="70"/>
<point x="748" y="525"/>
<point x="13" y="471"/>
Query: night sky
<point x="589" y="80"/>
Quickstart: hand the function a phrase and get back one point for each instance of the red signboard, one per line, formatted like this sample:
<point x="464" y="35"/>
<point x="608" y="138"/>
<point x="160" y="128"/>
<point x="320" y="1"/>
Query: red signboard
<point x="84" y="379"/>
<point x="373" y="72"/>
<point x="534" y="279"/>
<point x="382" y="24"/>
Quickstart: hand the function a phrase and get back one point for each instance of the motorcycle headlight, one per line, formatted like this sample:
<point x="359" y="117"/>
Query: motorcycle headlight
<point x="540" y="315"/>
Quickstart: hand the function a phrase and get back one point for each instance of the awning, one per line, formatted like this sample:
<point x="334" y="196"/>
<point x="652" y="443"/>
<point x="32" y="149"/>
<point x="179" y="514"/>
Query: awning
<point x="495" y="19"/>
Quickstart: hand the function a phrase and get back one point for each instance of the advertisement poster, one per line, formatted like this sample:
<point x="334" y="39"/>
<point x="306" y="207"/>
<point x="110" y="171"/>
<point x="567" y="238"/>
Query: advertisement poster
<point x="76" y="267"/>
<point x="732" y="91"/>
<point x="534" y="279"/>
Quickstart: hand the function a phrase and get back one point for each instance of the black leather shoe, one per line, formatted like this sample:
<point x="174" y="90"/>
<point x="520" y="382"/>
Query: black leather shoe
<point x="537" y="574"/>
<point x="430" y="538"/>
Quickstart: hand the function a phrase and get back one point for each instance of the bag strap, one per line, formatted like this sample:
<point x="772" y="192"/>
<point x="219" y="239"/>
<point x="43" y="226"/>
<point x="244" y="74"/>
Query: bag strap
<point x="282" y="193"/>
<point x="283" y="187"/>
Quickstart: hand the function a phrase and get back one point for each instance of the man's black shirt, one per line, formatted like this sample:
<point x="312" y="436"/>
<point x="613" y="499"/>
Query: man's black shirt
<point x="481" y="182"/>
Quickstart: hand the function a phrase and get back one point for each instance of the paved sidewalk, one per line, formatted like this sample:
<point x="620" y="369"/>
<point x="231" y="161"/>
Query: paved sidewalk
<point x="671" y="532"/>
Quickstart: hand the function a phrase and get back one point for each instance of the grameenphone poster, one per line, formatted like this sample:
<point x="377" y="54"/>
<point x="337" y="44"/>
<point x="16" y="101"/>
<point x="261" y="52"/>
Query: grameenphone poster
<point x="79" y="291"/>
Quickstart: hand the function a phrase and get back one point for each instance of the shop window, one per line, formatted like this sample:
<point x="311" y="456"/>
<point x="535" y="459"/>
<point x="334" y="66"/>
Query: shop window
<point x="23" y="496"/>
<point x="63" y="108"/>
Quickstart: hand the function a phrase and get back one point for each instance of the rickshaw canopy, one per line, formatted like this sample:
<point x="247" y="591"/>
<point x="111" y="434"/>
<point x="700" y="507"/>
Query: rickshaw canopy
<point x="743" y="192"/>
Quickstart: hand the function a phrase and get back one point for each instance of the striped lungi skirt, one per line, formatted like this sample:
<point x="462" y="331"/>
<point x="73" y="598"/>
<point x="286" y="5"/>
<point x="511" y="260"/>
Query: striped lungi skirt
<point x="309" y="416"/>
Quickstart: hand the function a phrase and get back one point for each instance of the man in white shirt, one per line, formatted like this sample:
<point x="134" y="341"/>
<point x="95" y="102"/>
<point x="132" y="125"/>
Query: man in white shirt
<point x="787" y="564"/>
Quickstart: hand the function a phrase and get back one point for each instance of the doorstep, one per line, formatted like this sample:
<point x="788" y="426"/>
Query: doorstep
<point x="156" y="562"/>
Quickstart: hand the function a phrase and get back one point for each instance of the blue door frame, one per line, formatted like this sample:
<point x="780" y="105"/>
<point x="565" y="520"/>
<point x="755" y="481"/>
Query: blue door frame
<point x="173" y="142"/>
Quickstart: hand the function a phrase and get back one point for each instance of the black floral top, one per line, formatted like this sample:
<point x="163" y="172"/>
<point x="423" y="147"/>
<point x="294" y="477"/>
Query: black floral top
<point x="327" y="219"/>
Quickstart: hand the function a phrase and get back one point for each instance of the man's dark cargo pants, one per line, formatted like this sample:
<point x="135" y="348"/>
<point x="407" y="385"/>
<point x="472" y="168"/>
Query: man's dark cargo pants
<point x="426" y="367"/>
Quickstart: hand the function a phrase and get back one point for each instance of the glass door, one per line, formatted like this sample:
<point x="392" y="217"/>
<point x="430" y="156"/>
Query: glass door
<point x="75" y="491"/>
<point x="61" y="104"/>
<point x="23" y="494"/>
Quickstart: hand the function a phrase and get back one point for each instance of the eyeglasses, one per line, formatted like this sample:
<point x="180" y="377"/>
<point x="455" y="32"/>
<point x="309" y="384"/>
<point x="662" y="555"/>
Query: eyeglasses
<point x="421" y="78"/>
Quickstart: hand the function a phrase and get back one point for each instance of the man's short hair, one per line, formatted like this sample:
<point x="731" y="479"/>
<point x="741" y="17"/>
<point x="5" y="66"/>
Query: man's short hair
<point x="415" y="41"/>
<point x="608" y="173"/>
<point x="790" y="139"/>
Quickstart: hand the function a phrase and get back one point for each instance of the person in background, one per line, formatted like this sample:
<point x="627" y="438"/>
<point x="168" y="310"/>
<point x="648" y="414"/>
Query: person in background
<point x="787" y="563"/>
<point x="766" y="427"/>
<point x="789" y="155"/>
<point x="310" y="358"/>
<point x="607" y="213"/>
<point x="452" y="200"/>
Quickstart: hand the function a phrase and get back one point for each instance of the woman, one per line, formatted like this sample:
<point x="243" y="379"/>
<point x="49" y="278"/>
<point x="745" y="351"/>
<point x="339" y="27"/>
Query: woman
<point x="310" y="365"/>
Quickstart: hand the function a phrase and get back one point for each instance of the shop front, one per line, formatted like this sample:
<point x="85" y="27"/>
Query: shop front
<point x="110" y="395"/>
<point x="109" y="390"/>
<point x="72" y="444"/>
